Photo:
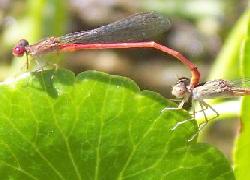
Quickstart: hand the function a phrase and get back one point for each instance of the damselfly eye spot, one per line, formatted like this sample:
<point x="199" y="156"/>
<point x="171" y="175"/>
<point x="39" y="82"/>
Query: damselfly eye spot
<point x="18" y="51"/>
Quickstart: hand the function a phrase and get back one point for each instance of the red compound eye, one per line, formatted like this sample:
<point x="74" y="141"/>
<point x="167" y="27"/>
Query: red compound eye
<point x="19" y="50"/>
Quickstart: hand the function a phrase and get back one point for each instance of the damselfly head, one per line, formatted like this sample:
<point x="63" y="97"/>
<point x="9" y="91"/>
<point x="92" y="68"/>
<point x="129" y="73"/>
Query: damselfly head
<point x="20" y="48"/>
<point x="180" y="89"/>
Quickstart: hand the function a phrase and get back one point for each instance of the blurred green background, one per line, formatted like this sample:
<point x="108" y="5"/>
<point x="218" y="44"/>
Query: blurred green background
<point x="199" y="30"/>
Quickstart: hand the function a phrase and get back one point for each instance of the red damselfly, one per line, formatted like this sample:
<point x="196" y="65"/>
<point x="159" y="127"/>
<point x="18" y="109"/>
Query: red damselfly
<point x="135" y="31"/>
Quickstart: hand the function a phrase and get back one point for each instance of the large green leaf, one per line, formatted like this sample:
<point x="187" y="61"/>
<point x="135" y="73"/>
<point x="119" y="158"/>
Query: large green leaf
<point x="242" y="148"/>
<point x="54" y="125"/>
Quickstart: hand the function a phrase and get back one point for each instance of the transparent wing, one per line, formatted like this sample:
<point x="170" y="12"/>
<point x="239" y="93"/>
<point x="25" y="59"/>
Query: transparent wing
<point x="135" y="28"/>
<point x="245" y="83"/>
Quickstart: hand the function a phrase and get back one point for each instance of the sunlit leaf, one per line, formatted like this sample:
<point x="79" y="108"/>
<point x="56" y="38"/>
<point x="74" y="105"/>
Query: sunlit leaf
<point x="242" y="148"/>
<point x="54" y="125"/>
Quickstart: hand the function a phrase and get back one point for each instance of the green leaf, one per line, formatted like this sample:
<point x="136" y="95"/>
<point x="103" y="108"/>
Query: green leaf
<point x="242" y="148"/>
<point x="54" y="125"/>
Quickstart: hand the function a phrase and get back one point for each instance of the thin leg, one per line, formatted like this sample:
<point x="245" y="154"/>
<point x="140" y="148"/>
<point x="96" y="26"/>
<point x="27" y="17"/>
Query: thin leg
<point x="210" y="107"/>
<point x="193" y="108"/>
<point x="175" y="100"/>
<point x="201" y="127"/>
<point x="25" y="67"/>
<point x="202" y="110"/>
<point x="39" y="66"/>
<point x="193" y="114"/>
<point x="185" y="121"/>
<point x="55" y="70"/>
<point x="182" y="122"/>
<point x="174" y="108"/>
<point x="205" y="116"/>
<point x="182" y="103"/>
<point x="27" y="62"/>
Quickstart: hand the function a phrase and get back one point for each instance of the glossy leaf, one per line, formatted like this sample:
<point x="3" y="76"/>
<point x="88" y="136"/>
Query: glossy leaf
<point x="54" y="125"/>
